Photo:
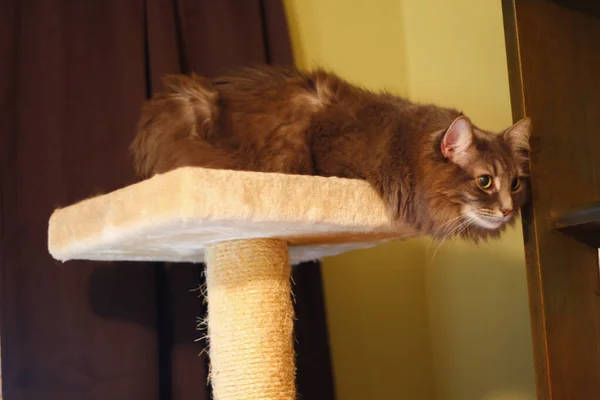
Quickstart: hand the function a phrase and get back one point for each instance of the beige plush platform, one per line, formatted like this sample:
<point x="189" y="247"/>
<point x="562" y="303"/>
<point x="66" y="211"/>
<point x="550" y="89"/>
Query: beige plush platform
<point x="172" y="217"/>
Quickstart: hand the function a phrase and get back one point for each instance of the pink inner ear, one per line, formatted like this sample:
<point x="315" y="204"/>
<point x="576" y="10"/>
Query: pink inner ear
<point x="457" y="138"/>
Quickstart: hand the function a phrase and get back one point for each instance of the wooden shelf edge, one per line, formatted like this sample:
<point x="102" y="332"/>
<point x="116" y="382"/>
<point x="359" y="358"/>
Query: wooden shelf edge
<point x="581" y="223"/>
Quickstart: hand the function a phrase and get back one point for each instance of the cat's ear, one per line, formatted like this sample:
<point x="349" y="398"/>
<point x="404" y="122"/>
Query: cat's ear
<point x="457" y="141"/>
<point x="517" y="136"/>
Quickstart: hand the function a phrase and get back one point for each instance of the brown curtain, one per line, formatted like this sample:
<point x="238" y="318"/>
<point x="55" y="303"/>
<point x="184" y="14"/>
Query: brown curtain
<point x="73" y="75"/>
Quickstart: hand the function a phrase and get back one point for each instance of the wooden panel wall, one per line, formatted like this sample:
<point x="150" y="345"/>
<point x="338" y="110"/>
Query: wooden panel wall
<point x="554" y="69"/>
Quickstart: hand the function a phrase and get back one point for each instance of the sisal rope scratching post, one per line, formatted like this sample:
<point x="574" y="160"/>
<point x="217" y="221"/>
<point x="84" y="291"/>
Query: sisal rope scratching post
<point x="250" y="320"/>
<point x="248" y="227"/>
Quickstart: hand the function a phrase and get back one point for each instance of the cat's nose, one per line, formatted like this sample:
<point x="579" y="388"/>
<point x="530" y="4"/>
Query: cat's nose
<point x="506" y="211"/>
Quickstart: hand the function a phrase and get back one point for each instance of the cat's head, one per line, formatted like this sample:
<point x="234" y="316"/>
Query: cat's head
<point x="475" y="182"/>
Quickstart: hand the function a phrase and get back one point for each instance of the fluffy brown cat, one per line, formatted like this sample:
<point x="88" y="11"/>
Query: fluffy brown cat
<point x="431" y="165"/>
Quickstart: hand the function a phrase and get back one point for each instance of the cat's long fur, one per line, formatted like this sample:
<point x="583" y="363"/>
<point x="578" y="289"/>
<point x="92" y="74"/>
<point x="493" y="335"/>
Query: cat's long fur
<point x="280" y="120"/>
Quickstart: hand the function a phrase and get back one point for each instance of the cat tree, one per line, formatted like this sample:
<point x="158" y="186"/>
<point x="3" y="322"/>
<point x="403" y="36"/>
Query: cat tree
<point x="249" y="228"/>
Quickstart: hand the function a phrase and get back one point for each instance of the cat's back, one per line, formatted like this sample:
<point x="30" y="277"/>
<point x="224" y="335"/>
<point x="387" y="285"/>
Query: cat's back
<point x="266" y="103"/>
<point x="259" y="89"/>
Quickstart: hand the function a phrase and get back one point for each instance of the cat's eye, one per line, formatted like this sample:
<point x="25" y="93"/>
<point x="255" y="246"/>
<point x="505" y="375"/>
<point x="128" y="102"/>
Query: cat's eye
<point x="485" y="181"/>
<point x="516" y="184"/>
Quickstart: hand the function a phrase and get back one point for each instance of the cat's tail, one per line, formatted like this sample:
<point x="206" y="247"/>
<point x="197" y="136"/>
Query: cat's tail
<point x="175" y="128"/>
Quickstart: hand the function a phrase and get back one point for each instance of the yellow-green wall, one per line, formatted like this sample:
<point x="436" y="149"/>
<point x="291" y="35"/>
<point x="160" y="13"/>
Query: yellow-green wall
<point x="404" y="325"/>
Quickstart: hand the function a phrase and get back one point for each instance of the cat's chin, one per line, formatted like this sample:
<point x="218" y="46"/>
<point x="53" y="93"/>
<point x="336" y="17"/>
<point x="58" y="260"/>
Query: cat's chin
<point x="487" y="223"/>
<point x="478" y="232"/>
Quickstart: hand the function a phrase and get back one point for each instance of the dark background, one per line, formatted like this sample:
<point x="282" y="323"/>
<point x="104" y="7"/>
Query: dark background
<point x="73" y="75"/>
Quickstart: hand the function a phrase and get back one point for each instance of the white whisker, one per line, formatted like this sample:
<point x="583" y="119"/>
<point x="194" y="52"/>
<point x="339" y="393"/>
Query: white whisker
<point x="443" y="226"/>
<point x="458" y="228"/>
